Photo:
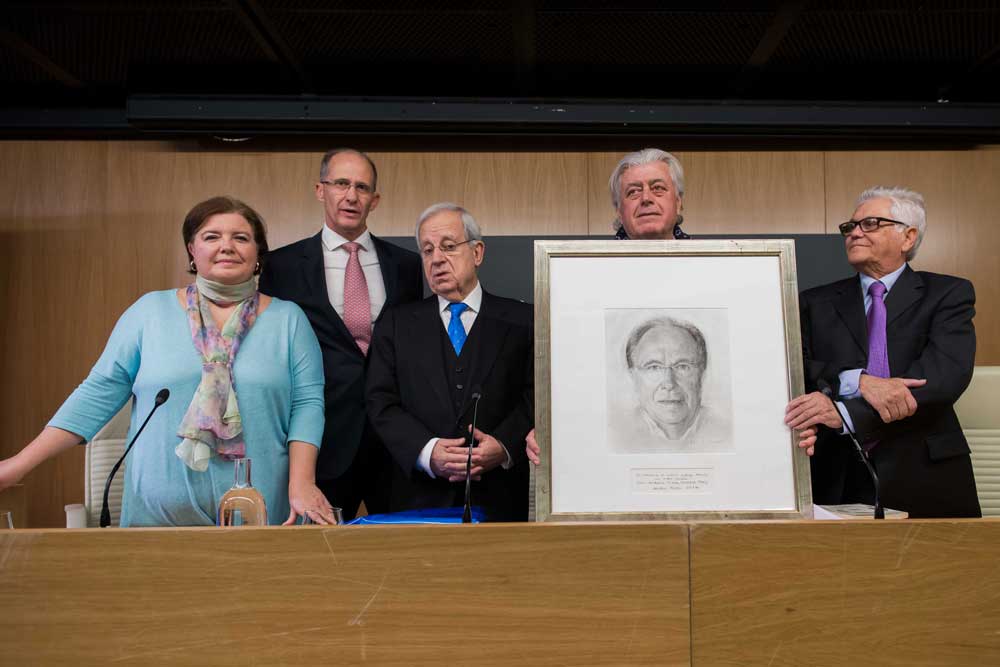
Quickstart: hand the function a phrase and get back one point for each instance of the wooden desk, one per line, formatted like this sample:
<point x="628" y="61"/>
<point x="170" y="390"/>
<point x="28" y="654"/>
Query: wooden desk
<point x="846" y="593"/>
<point x="771" y="593"/>
<point x="382" y="595"/>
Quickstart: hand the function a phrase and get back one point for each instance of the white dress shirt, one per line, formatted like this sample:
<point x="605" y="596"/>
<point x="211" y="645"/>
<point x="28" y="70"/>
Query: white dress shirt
<point x="474" y="302"/>
<point x="335" y="258"/>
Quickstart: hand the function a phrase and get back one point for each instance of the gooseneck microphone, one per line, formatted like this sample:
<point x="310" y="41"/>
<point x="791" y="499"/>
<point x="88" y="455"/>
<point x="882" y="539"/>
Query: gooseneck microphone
<point x="467" y="512"/>
<point x="879" y="510"/>
<point x="161" y="398"/>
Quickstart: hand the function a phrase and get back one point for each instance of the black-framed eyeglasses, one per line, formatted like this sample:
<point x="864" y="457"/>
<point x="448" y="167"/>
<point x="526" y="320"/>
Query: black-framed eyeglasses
<point x="447" y="247"/>
<point x="343" y="185"/>
<point x="867" y="224"/>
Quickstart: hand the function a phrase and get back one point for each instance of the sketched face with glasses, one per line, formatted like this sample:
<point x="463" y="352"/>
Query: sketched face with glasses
<point x="348" y="194"/>
<point x="667" y="365"/>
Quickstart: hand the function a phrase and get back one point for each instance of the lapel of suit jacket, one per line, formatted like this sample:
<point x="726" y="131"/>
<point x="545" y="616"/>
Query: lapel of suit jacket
<point x="850" y="306"/>
<point x="425" y="346"/>
<point x="491" y="328"/>
<point x="314" y="276"/>
<point x="390" y="272"/>
<point x="905" y="292"/>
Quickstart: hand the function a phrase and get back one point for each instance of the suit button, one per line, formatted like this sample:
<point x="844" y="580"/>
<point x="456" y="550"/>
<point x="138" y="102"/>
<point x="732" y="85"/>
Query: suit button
<point x="459" y="369"/>
<point x="458" y="386"/>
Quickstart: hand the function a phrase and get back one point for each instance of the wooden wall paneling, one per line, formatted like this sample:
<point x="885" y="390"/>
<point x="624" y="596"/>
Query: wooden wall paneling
<point x="51" y="217"/>
<point x="88" y="226"/>
<point x="845" y="593"/>
<point x="508" y="193"/>
<point x="600" y="213"/>
<point x="962" y="198"/>
<point x="387" y="595"/>
<point x="754" y="192"/>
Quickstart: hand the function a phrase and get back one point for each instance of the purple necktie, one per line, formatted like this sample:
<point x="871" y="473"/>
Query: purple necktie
<point x="878" y="354"/>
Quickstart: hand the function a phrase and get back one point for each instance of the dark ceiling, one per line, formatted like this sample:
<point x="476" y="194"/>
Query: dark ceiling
<point x="100" y="55"/>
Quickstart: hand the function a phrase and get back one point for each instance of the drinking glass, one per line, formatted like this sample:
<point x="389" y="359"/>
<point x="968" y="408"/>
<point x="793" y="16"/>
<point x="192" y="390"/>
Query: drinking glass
<point x="6" y="520"/>
<point x="338" y="517"/>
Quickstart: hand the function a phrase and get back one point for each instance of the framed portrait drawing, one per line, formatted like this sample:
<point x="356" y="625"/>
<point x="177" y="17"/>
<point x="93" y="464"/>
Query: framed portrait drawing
<point x="662" y="373"/>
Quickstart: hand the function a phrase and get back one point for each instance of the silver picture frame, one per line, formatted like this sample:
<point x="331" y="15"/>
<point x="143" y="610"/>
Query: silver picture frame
<point x="587" y="295"/>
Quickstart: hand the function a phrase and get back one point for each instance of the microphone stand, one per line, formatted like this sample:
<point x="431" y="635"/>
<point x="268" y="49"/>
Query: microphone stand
<point x="879" y="510"/>
<point x="467" y="512"/>
<point x="161" y="398"/>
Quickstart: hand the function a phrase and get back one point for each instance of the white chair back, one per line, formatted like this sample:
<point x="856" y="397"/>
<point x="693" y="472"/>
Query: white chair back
<point x="979" y="412"/>
<point x="102" y="452"/>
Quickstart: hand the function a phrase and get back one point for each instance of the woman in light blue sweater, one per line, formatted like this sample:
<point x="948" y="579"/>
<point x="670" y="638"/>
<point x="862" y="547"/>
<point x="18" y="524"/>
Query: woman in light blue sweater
<point x="245" y="377"/>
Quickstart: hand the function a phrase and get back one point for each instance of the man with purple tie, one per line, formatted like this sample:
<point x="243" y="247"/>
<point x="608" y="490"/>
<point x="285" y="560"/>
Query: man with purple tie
<point x="894" y="348"/>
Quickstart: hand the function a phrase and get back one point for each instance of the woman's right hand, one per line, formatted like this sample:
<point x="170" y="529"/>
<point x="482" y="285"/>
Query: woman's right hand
<point x="10" y="473"/>
<point x="47" y="444"/>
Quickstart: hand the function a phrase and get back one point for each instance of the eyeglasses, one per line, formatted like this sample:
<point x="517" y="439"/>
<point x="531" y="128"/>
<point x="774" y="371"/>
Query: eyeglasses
<point x="867" y="224"/>
<point x="682" y="369"/>
<point x="342" y="185"/>
<point x="635" y="191"/>
<point x="447" y="247"/>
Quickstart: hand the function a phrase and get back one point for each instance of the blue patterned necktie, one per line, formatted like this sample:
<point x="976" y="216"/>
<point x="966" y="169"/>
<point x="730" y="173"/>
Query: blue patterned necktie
<point x="456" y="331"/>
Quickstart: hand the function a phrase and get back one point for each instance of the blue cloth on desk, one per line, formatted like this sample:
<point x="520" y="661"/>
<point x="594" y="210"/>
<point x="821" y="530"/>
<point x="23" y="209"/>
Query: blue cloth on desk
<point x="435" y="515"/>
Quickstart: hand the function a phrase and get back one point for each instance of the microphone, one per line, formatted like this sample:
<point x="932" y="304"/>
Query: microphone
<point x="467" y="512"/>
<point x="824" y="389"/>
<point x="161" y="398"/>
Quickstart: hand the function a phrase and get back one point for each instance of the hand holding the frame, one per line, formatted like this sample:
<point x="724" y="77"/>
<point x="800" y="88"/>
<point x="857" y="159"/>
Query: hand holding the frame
<point x="532" y="449"/>
<point x="805" y="412"/>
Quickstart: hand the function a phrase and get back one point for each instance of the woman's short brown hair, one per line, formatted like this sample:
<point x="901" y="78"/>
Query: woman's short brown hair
<point x="202" y="211"/>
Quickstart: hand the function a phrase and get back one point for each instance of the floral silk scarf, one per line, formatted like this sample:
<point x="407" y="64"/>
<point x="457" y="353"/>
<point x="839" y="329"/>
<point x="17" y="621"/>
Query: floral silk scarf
<point x="212" y="422"/>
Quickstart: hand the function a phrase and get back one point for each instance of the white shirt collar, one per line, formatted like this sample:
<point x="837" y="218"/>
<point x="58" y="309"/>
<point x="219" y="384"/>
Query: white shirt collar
<point x="332" y="240"/>
<point x="474" y="301"/>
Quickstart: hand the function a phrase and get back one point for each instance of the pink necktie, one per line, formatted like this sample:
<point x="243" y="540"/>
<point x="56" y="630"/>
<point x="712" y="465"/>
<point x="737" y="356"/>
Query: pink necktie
<point x="357" y="306"/>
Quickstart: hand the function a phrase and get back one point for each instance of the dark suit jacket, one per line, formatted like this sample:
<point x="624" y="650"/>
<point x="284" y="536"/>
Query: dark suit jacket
<point x="923" y="461"/>
<point x="410" y="400"/>
<point x="295" y="273"/>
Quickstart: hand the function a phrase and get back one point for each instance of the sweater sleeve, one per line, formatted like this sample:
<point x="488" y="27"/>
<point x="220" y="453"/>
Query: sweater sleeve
<point x="109" y="385"/>
<point x="307" y="413"/>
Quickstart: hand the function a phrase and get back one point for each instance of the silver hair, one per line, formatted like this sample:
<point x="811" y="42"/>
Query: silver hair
<point x="665" y="323"/>
<point x="645" y="156"/>
<point x="907" y="206"/>
<point x="472" y="232"/>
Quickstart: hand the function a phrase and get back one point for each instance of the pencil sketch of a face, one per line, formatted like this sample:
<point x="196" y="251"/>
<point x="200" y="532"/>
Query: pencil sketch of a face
<point x="665" y="358"/>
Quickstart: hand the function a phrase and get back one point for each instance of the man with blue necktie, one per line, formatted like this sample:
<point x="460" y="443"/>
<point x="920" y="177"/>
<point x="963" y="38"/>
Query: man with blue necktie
<point x="428" y="363"/>
<point x="894" y="348"/>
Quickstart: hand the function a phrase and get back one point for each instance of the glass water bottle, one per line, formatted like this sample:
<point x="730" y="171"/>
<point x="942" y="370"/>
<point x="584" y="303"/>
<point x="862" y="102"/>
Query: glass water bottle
<point x="242" y="505"/>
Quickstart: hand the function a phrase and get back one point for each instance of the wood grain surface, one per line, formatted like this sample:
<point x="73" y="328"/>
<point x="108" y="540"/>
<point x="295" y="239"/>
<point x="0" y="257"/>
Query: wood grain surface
<point x="384" y="595"/>
<point x="846" y="593"/>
